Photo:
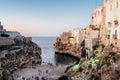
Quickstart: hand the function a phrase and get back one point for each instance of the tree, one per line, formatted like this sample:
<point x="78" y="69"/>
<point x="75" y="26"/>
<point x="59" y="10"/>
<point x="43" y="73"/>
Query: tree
<point x="5" y="75"/>
<point x="83" y="53"/>
<point x="82" y="43"/>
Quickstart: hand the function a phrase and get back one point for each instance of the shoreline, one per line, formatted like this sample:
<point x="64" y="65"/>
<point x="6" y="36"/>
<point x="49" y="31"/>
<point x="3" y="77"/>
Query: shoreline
<point x="68" y="55"/>
<point x="46" y="71"/>
<point x="39" y="70"/>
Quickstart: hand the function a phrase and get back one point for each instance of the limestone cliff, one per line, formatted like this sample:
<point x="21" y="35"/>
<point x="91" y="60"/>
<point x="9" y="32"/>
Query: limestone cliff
<point x="66" y="44"/>
<point x="104" y="64"/>
<point x="18" y="52"/>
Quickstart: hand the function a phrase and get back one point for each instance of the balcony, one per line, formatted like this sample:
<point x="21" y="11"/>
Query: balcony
<point x="116" y="22"/>
<point x="108" y="36"/>
<point x="95" y="27"/>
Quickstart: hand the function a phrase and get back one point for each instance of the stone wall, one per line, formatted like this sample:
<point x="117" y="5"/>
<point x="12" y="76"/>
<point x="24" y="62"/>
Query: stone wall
<point x="6" y="41"/>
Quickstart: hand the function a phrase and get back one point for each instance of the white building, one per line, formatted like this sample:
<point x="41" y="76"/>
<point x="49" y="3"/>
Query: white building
<point x="107" y="18"/>
<point x="76" y="33"/>
<point x="91" y="38"/>
<point x="112" y="20"/>
<point x="97" y="17"/>
<point x="10" y="33"/>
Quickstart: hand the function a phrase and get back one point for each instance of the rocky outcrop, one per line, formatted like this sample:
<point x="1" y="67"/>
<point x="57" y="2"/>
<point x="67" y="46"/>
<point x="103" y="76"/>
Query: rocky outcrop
<point x="66" y="44"/>
<point x="104" y="64"/>
<point x="18" y="52"/>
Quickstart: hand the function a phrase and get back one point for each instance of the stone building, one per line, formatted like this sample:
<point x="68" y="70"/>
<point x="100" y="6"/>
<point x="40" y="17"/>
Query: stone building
<point x="90" y="36"/>
<point x="64" y="37"/>
<point x="77" y="35"/>
<point x="106" y="18"/>
<point x="97" y="19"/>
<point x="112" y="21"/>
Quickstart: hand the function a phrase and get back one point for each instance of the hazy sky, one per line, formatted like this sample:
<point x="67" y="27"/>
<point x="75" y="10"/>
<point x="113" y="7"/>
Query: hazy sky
<point x="46" y="17"/>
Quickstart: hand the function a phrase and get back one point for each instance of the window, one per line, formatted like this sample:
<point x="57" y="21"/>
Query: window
<point x="116" y="22"/>
<point x="116" y="32"/>
<point x="109" y="24"/>
<point x="92" y="17"/>
<point x="108" y="36"/>
<point x="117" y="4"/>
<point x="115" y="36"/>
<point x="101" y="10"/>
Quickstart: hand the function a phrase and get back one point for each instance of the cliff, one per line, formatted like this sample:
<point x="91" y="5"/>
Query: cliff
<point x="104" y="64"/>
<point x="18" y="52"/>
<point x="66" y="44"/>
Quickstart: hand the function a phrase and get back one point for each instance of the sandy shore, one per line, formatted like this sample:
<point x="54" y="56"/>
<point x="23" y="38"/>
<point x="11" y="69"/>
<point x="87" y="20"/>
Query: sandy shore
<point x="47" y="71"/>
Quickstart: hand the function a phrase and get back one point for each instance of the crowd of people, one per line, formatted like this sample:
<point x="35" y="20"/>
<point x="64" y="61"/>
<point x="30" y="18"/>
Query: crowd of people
<point x="41" y="74"/>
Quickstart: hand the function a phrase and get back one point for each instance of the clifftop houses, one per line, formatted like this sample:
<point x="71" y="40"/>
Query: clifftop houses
<point x="1" y="26"/>
<point x="3" y="32"/>
<point x="107" y="18"/>
<point x="104" y="26"/>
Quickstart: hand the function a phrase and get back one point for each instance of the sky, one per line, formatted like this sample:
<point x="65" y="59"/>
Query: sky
<point x="46" y="17"/>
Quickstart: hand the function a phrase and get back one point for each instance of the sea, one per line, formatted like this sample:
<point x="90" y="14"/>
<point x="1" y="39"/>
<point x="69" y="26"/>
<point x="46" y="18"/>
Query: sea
<point x="48" y="54"/>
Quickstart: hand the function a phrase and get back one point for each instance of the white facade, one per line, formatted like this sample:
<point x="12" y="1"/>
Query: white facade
<point x="97" y="16"/>
<point x="76" y="33"/>
<point x="13" y="33"/>
<point x="93" y="34"/>
<point x="112" y="20"/>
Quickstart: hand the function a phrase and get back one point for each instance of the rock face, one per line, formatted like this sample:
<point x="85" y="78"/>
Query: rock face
<point x="18" y="52"/>
<point x="66" y="44"/>
<point x="104" y="64"/>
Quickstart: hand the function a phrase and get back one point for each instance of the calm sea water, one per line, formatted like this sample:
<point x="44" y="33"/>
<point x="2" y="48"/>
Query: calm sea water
<point x="48" y="55"/>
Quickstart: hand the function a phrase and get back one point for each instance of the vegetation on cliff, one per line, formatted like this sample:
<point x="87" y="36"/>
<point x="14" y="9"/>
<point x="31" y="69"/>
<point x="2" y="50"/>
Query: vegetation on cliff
<point x="102" y="65"/>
